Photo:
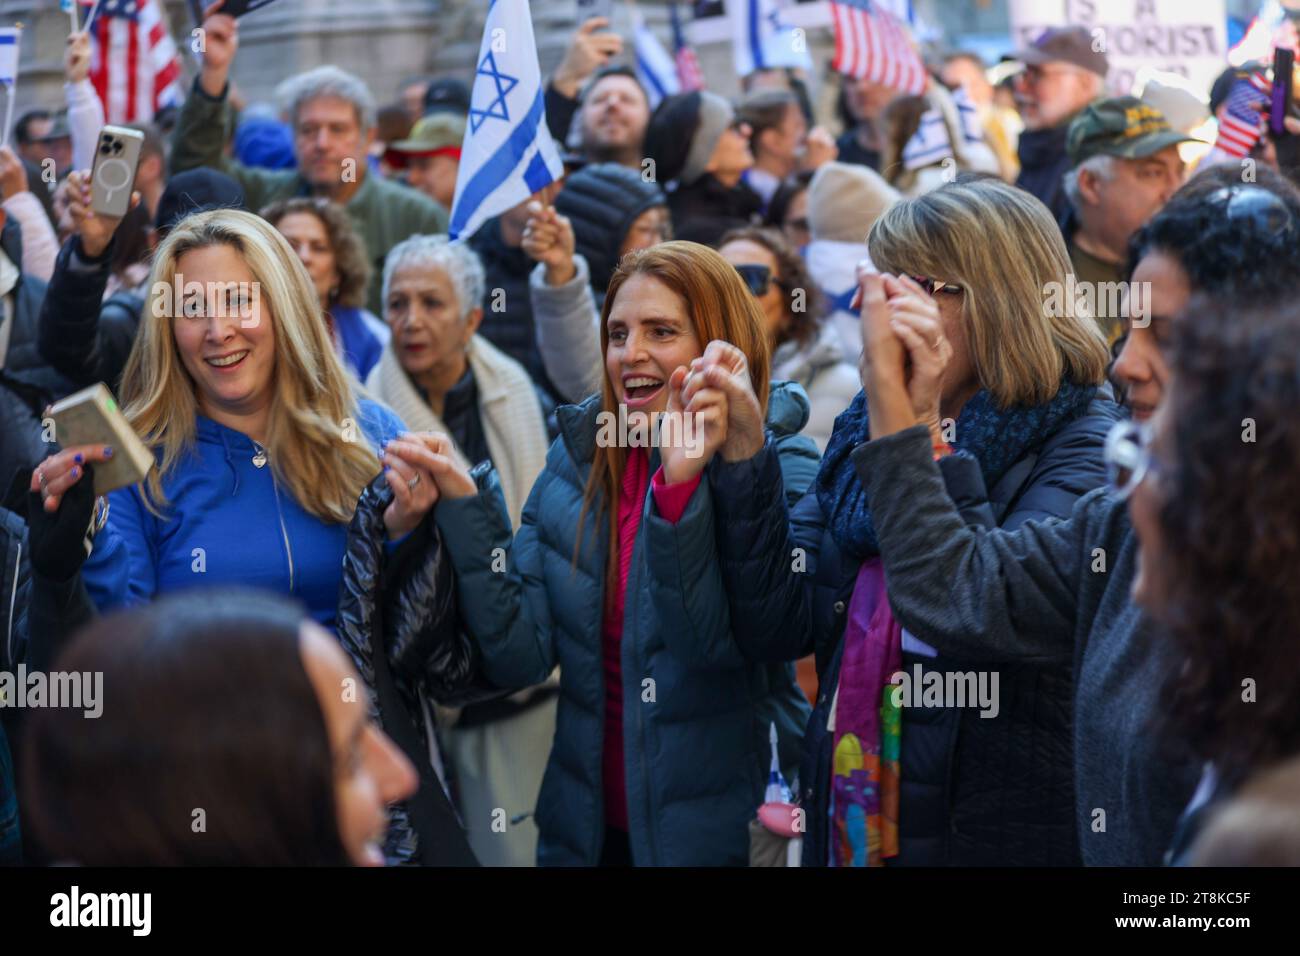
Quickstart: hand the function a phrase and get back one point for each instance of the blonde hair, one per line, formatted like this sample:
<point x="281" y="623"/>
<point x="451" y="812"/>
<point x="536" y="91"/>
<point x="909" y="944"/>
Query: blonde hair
<point x="314" y="415"/>
<point x="1002" y="246"/>
<point x="719" y="306"/>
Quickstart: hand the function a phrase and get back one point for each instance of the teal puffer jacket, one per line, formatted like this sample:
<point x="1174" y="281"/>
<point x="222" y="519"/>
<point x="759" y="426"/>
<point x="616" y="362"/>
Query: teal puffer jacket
<point x="696" y="713"/>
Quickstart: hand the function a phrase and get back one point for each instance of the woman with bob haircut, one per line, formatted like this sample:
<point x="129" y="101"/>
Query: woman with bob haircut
<point x="296" y="775"/>
<point x="264" y="460"/>
<point x="895" y="774"/>
<point x="661" y="747"/>
<point x="334" y="256"/>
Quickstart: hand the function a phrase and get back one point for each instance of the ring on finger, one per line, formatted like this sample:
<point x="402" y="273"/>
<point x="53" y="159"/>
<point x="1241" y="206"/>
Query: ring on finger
<point x="41" y="479"/>
<point x="410" y="485"/>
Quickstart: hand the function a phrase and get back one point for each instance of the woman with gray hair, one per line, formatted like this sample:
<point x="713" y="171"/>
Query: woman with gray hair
<point x="439" y="374"/>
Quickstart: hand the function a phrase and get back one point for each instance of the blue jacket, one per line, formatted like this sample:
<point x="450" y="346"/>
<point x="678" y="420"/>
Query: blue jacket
<point x="227" y="522"/>
<point x="974" y="791"/>
<point x="695" y="712"/>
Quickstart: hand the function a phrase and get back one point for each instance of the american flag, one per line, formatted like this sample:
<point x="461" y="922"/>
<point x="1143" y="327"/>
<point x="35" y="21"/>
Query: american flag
<point x="134" y="67"/>
<point x="871" y="43"/>
<point x="1239" y="129"/>
<point x="689" y="75"/>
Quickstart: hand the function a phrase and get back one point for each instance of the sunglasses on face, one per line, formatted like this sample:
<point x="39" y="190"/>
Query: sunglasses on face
<point x="1128" y="457"/>
<point x="936" y="286"/>
<point x="758" y="278"/>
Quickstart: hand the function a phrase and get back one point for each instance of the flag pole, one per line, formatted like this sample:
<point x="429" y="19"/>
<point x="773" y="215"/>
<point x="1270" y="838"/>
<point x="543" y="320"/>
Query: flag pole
<point x="72" y="13"/>
<point x="91" y="19"/>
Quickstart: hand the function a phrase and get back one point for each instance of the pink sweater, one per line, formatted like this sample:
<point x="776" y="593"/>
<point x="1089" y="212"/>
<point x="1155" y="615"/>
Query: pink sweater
<point x="670" y="501"/>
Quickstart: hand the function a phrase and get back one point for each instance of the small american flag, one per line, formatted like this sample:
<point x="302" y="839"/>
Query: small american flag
<point x="689" y="75"/>
<point x="871" y="43"/>
<point x="1239" y="130"/>
<point x="134" y="67"/>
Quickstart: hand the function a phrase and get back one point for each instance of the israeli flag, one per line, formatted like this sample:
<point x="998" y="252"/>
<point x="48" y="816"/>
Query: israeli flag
<point x="972" y="129"/>
<point x="930" y="143"/>
<point x="507" y="154"/>
<point x="655" y="67"/>
<point x="760" y="41"/>
<point x="9" y="54"/>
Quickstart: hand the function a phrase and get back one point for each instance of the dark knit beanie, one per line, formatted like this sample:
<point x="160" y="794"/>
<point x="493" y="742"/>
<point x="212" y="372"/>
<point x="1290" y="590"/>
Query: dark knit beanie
<point x="602" y="201"/>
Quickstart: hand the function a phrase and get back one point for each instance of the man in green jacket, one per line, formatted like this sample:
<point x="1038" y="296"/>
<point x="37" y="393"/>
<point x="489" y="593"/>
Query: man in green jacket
<point x="333" y="117"/>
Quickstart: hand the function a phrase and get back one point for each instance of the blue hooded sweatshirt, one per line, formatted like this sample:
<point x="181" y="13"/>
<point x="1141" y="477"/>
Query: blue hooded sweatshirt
<point x="227" y="522"/>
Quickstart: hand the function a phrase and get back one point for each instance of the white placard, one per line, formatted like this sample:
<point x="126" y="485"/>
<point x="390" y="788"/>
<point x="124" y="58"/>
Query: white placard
<point x="1187" y="37"/>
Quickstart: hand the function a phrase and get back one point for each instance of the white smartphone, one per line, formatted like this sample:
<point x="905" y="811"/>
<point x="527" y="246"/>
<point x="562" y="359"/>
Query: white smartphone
<point x="91" y="417"/>
<point x="117" y="154"/>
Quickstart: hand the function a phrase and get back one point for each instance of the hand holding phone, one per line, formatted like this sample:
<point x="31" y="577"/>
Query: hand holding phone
<point x="117" y="154"/>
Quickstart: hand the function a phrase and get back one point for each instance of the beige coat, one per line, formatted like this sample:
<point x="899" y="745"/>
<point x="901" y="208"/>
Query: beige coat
<point x="512" y="417"/>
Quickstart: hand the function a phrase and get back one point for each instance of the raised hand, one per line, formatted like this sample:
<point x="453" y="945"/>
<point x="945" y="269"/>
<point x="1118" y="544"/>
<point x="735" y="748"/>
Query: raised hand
<point x="587" y="53"/>
<point x="220" y="42"/>
<point x="883" y="366"/>
<point x="421" y="467"/>
<point x="691" y="430"/>
<point x="914" y="318"/>
<point x="548" y="239"/>
<point x="724" y="367"/>
<point x="76" y="57"/>
<point x="96" y="231"/>
<point x="819" y="149"/>
<point x="13" y="175"/>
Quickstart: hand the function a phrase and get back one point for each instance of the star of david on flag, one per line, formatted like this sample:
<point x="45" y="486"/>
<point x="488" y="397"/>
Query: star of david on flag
<point x="507" y="154"/>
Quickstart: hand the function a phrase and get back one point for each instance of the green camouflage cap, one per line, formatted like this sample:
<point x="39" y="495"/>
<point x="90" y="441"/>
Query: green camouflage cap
<point x="1121" y="126"/>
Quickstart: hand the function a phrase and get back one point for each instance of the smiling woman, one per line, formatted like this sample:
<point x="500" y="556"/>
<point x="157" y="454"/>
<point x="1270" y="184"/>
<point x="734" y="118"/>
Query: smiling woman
<point x="629" y="604"/>
<point x="265" y="477"/>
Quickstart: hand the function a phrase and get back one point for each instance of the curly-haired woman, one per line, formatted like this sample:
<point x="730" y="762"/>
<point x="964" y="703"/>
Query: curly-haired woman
<point x="335" y="257"/>
<point x="1212" y="499"/>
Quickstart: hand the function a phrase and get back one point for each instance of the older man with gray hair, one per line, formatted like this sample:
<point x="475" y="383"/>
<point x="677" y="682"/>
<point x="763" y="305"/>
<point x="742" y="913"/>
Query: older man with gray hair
<point x="333" y="119"/>
<point x="1124" y="167"/>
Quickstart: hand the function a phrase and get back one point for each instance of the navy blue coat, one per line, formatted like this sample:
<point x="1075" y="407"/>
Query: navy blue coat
<point x="696" y="712"/>
<point x="974" y="791"/>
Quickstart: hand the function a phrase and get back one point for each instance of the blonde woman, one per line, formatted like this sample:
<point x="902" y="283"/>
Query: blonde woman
<point x="264" y="456"/>
<point x="898" y="776"/>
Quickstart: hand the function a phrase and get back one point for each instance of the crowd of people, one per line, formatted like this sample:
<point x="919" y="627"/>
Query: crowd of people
<point x="566" y="543"/>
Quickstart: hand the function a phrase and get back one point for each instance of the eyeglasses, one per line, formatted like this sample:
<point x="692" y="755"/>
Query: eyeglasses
<point x="1128" y="457"/>
<point x="935" y="286"/>
<point x="1263" y="209"/>
<point x="758" y="278"/>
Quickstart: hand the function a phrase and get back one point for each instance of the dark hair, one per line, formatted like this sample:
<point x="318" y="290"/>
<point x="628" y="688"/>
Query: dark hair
<point x="669" y="133"/>
<point x="615" y="70"/>
<point x="23" y="128"/>
<point x="348" y="248"/>
<point x="206" y="706"/>
<point x="1221" y="255"/>
<point x="765" y="110"/>
<point x="901" y="119"/>
<point x="794" y="278"/>
<point x="131" y="241"/>
<point x="1229" y="516"/>
<point x="785" y="194"/>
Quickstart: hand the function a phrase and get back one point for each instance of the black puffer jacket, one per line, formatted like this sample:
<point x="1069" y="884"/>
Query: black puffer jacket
<point x="426" y="657"/>
<point x="975" y="791"/>
<point x="601" y="202"/>
<point x="84" y="338"/>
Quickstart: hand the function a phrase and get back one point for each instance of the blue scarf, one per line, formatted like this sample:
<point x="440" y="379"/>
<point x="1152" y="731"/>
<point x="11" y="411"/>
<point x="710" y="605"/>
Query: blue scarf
<point x="996" y="438"/>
